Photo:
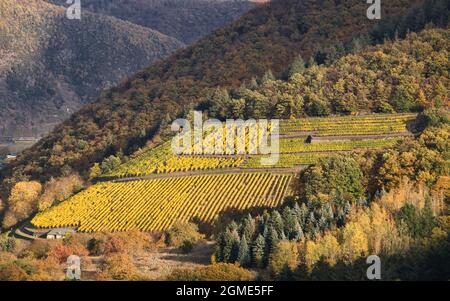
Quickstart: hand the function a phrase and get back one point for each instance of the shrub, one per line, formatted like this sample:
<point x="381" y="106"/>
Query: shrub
<point x="187" y="246"/>
<point x="39" y="249"/>
<point x="180" y="233"/>
<point x="119" y="266"/>
<point x="12" y="272"/>
<point x="7" y="244"/>
<point x="62" y="251"/>
<point x="97" y="246"/>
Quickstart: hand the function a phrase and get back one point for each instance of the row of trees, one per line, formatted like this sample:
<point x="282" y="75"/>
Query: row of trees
<point x="252" y="241"/>
<point x="29" y="197"/>
<point x="367" y="230"/>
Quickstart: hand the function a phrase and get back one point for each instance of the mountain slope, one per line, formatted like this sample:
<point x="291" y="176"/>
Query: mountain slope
<point x="266" y="38"/>
<point x="50" y="65"/>
<point x="186" y="20"/>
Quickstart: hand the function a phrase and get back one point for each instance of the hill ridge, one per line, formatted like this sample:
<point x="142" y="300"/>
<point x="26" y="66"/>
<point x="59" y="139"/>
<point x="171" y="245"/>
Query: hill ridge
<point x="51" y="66"/>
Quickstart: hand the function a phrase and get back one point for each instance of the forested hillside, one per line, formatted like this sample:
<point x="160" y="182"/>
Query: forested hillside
<point x="50" y="66"/>
<point x="267" y="38"/>
<point x="185" y="20"/>
<point x="398" y="76"/>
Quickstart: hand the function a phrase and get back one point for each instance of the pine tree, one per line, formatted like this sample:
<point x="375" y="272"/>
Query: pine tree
<point x="265" y="231"/>
<point x="303" y="214"/>
<point x="248" y="227"/>
<point x="235" y="242"/>
<point x="427" y="220"/>
<point x="312" y="219"/>
<point x="276" y="222"/>
<point x="297" y="210"/>
<point x="272" y="238"/>
<point x="322" y="223"/>
<point x="311" y="62"/>
<point x="227" y="246"/>
<point x="297" y="66"/>
<point x="298" y="233"/>
<point x="314" y="232"/>
<point x="258" y="249"/>
<point x="329" y="211"/>
<point x="290" y="222"/>
<point x="268" y="76"/>
<point x="243" y="255"/>
<point x="340" y="217"/>
<point x="347" y="207"/>
<point x="232" y="226"/>
<point x="220" y="247"/>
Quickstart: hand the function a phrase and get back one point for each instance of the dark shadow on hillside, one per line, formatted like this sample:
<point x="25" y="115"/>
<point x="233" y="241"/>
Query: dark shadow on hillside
<point x="421" y="263"/>
<point x="232" y="214"/>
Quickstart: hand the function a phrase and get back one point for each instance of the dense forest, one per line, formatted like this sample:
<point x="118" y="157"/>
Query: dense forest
<point x="265" y="39"/>
<point x="50" y="66"/>
<point x="185" y="20"/>
<point x="398" y="76"/>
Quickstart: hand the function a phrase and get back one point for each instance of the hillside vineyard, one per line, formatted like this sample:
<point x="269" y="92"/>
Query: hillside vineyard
<point x="155" y="205"/>
<point x="139" y="195"/>
<point x="384" y="130"/>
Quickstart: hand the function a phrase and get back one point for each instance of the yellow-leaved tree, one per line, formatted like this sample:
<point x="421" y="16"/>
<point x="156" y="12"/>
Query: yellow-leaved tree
<point x="285" y="255"/>
<point x="21" y="202"/>
<point x="326" y="247"/>
<point x="354" y="242"/>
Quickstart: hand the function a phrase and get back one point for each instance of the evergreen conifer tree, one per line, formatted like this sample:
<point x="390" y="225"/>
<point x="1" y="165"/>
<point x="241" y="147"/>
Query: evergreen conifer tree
<point x="243" y="254"/>
<point x="258" y="249"/>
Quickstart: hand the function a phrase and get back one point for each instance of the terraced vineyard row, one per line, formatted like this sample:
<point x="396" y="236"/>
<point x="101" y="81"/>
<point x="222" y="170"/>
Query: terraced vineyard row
<point x="295" y="152"/>
<point x="287" y="160"/>
<point x="358" y="125"/>
<point x="155" y="205"/>
<point x="161" y="160"/>
<point x="295" y="145"/>
<point x="189" y="163"/>
<point x="145" y="163"/>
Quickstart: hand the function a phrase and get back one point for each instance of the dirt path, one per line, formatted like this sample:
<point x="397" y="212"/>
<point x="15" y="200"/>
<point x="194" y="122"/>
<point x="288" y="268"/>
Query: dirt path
<point x="290" y="170"/>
